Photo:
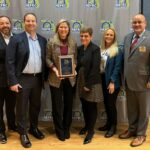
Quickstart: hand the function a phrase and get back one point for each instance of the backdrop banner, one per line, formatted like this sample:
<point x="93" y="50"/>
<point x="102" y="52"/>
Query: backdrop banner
<point x="98" y="14"/>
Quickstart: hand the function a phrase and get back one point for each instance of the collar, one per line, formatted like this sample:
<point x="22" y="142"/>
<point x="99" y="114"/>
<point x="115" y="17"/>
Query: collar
<point x="139" y="35"/>
<point x="5" y="36"/>
<point x="30" y="37"/>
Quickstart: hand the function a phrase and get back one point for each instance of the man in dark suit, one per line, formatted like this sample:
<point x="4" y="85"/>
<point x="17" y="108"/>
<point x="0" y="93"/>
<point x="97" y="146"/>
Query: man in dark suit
<point x="6" y="96"/>
<point x="137" y="80"/>
<point x="25" y="63"/>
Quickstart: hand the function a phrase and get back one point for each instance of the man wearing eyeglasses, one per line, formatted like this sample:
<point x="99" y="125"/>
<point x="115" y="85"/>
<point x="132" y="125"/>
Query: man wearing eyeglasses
<point x="137" y="80"/>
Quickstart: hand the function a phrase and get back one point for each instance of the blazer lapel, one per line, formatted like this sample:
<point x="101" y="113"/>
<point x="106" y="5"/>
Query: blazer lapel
<point x="138" y="43"/>
<point x="41" y="45"/>
<point x="128" y="44"/>
<point x="2" y="40"/>
<point x="25" y="40"/>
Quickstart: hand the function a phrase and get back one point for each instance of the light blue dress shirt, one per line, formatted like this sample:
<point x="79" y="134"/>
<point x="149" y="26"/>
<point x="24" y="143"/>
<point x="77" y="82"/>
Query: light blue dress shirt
<point x="34" y="64"/>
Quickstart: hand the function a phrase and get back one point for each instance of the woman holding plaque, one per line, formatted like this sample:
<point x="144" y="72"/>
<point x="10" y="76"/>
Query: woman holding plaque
<point x="111" y="63"/>
<point x="61" y="59"/>
<point x="89" y="81"/>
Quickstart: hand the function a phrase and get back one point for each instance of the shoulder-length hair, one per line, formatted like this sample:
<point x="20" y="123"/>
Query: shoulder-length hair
<point x="114" y="46"/>
<point x="60" y="22"/>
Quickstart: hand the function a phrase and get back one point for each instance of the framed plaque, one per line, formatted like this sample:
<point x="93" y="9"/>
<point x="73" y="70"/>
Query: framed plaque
<point x="66" y="66"/>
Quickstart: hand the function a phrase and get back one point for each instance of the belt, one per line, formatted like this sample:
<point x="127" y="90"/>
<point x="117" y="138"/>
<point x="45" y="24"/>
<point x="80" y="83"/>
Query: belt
<point x="32" y="74"/>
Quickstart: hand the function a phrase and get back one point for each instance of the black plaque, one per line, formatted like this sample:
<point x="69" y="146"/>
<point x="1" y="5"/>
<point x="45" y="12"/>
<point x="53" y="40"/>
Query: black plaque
<point x="66" y="66"/>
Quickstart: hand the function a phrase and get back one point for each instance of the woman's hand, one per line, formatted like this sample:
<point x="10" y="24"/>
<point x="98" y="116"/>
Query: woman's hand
<point x="57" y="73"/>
<point x="111" y="87"/>
<point x="86" y="89"/>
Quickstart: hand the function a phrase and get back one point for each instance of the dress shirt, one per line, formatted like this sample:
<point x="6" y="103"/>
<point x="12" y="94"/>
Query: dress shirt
<point x="34" y="64"/>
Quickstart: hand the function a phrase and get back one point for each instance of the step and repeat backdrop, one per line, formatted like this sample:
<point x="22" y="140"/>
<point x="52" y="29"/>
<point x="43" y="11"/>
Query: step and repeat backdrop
<point x="98" y="14"/>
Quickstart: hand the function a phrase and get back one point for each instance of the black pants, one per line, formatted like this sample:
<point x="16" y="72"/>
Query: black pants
<point x="90" y="114"/>
<point x="28" y="102"/>
<point x="62" y="99"/>
<point x="7" y="97"/>
<point x="110" y="103"/>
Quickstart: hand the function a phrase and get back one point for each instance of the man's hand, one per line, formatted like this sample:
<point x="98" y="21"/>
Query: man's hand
<point x="15" y="88"/>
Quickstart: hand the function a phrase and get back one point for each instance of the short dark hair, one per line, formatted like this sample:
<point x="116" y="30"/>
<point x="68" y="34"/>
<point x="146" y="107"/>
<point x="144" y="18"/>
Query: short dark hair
<point x="29" y="13"/>
<point x="87" y="30"/>
<point x="62" y="21"/>
<point x="6" y="17"/>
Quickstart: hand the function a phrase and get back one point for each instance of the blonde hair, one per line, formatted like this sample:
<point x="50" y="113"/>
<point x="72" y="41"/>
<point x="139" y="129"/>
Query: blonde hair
<point x="114" y="46"/>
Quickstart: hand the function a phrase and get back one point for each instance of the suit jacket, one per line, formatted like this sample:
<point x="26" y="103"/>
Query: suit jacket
<point x="3" y="76"/>
<point x="137" y="62"/>
<point x="17" y="54"/>
<point x="90" y="61"/>
<point x="113" y="69"/>
<point x="52" y="59"/>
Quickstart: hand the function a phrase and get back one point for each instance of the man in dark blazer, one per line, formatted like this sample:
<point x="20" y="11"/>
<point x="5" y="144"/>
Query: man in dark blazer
<point x="25" y="63"/>
<point x="137" y="80"/>
<point x="6" y="96"/>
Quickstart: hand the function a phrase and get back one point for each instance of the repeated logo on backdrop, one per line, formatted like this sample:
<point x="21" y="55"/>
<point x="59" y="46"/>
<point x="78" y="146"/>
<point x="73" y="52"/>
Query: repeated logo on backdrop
<point x="92" y="3"/>
<point x="17" y="25"/>
<point x="62" y="3"/>
<point x="76" y="25"/>
<point x="32" y="4"/>
<point x="122" y="3"/>
<point x="47" y="26"/>
<point x="105" y="24"/>
<point x="4" y="4"/>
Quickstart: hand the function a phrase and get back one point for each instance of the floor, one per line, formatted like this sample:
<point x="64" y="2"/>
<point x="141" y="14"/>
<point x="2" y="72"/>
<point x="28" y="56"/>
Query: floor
<point x="75" y="142"/>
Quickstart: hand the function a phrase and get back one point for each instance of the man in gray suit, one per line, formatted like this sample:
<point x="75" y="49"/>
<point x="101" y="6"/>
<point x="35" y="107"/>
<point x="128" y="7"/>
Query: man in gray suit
<point x="137" y="80"/>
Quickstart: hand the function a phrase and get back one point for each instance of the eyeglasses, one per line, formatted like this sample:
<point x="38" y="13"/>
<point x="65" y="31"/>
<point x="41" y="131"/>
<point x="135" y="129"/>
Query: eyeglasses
<point x="85" y="36"/>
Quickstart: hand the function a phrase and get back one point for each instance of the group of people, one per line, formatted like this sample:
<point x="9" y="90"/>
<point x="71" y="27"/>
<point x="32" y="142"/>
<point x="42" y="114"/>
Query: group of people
<point x="27" y="60"/>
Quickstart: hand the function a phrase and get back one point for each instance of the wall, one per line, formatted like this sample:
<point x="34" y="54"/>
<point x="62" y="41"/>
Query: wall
<point x="99" y="14"/>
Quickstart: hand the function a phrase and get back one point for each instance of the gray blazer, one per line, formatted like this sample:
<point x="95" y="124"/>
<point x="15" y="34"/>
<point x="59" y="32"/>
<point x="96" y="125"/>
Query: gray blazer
<point x="137" y="62"/>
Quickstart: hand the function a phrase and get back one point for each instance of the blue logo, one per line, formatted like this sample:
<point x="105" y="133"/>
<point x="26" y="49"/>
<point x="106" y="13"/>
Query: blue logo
<point x="62" y="3"/>
<point x="48" y="25"/>
<point x="76" y="25"/>
<point x="92" y="3"/>
<point x="122" y="3"/>
<point x="32" y="4"/>
<point x="17" y="26"/>
<point x="106" y="24"/>
<point x="4" y="4"/>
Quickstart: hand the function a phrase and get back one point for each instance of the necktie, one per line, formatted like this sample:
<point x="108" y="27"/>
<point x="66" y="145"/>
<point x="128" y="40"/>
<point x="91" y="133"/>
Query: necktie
<point x="134" y="42"/>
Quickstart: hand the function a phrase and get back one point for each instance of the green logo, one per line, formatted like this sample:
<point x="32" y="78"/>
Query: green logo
<point x="105" y="24"/>
<point x="32" y="3"/>
<point x="76" y="25"/>
<point x="48" y="25"/>
<point x="122" y="3"/>
<point x="4" y="4"/>
<point x="17" y="26"/>
<point x="62" y="3"/>
<point x="92" y="3"/>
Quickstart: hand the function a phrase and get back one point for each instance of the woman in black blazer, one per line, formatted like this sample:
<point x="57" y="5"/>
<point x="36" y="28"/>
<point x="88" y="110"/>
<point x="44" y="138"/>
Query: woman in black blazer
<point x="89" y="81"/>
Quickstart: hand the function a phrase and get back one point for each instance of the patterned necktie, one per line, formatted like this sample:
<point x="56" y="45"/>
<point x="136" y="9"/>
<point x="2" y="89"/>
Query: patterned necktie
<point x="134" y="42"/>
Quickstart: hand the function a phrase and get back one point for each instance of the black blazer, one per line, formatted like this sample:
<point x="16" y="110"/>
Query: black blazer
<point x="90" y="61"/>
<point x="3" y="76"/>
<point x="17" y="55"/>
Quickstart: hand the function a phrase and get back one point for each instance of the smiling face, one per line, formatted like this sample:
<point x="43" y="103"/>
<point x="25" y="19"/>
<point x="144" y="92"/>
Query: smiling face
<point x="63" y="30"/>
<point x="109" y="37"/>
<point x="5" y="26"/>
<point x="85" y="38"/>
<point x="30" y="23"/>
<point x="138" y="24"/>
